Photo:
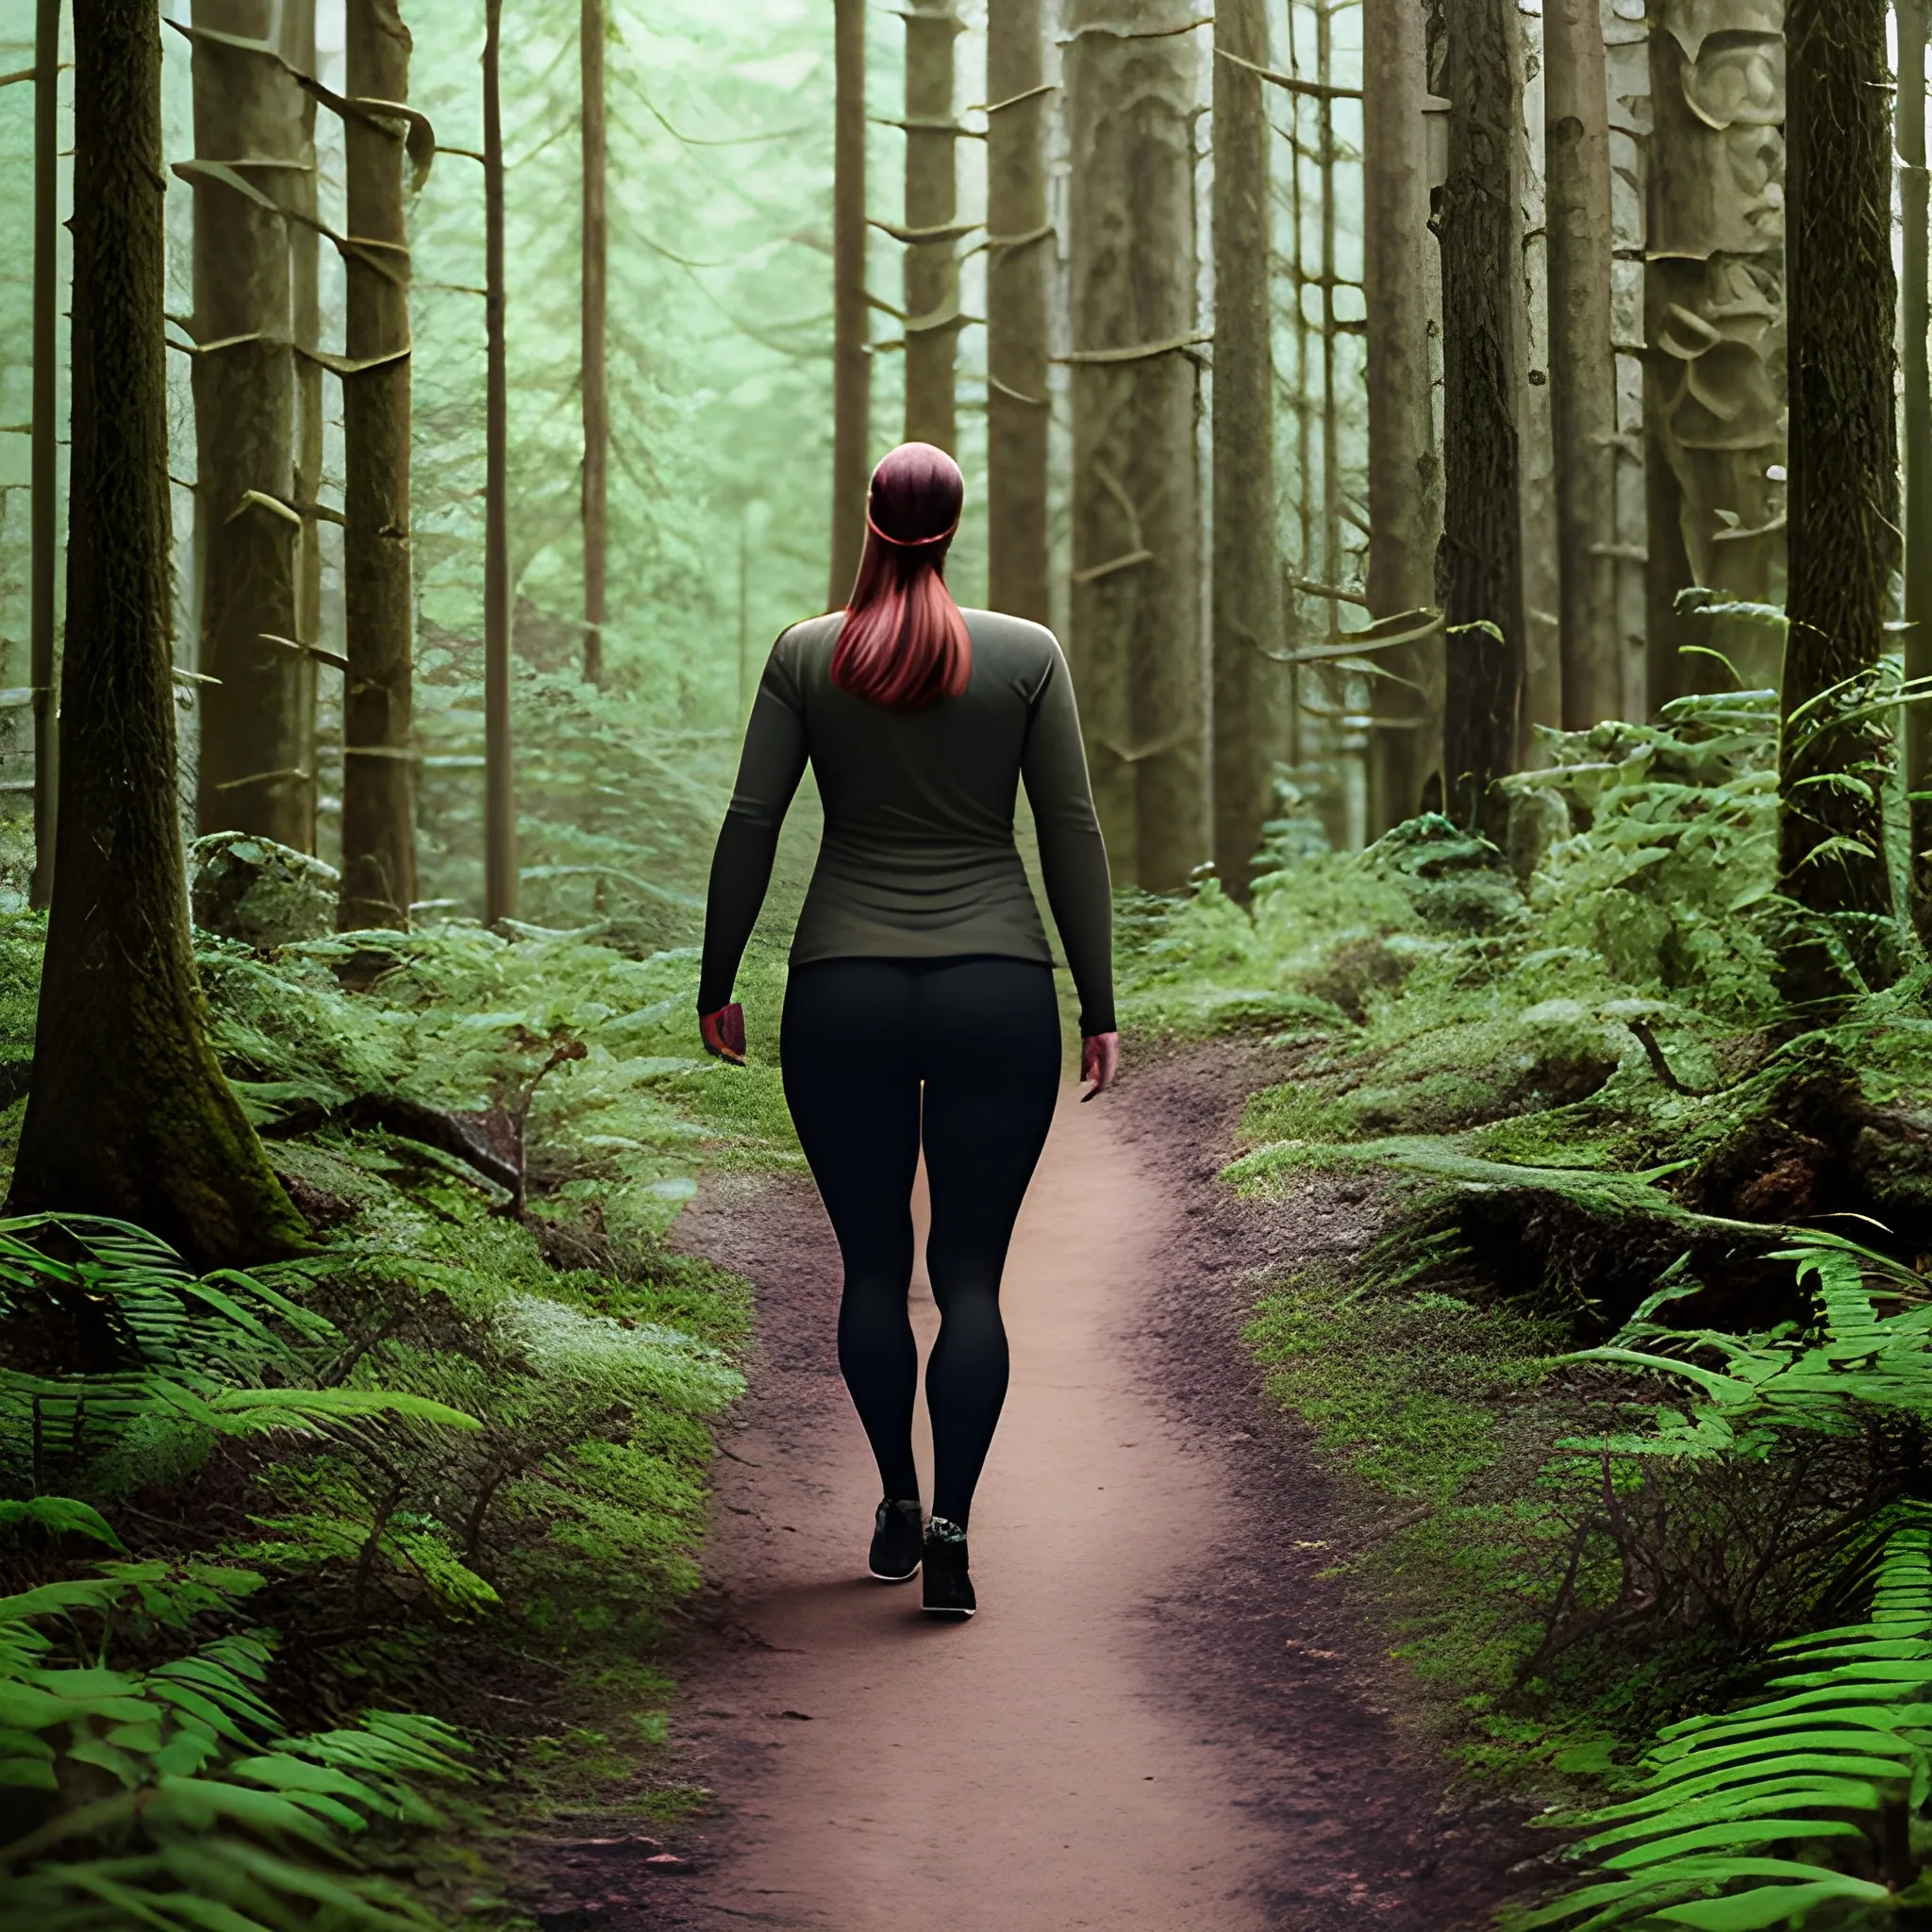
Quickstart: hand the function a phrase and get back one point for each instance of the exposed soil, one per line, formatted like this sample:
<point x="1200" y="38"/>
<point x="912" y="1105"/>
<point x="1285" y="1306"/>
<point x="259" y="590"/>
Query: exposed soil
<point x="1164" y="1717"/>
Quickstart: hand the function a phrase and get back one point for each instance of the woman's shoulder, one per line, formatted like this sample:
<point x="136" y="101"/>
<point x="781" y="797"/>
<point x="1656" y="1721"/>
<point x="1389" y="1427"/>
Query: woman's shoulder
<point x="804" y="650"/>
<point x="1016" y="644"/>
<point x="799" y="637"/>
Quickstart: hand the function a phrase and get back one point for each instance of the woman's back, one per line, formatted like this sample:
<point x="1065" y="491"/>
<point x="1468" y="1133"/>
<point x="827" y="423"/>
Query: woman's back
<point x="945" y="774"/>
<point x="918" y="858"/>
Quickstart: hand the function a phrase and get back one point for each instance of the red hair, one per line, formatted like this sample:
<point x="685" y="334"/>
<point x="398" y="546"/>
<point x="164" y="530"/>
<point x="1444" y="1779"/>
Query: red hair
<point x="904" y="643"/>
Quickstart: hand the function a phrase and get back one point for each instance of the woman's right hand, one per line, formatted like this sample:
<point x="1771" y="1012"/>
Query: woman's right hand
<point x="723" y="1033"/>
<point x="1099" y="1060"/>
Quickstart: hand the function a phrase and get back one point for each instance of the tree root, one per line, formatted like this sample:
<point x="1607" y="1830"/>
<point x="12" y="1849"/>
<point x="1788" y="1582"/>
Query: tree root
<point x="464" y="1136"/>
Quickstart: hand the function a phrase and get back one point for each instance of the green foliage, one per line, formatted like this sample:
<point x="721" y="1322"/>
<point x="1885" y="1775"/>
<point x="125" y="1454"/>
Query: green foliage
<point x="616" y="812"/>
<point x="182" y="1362"/>
<point x="1557" y="1069"/>
<point x="1795" y="1809"/>
<point x="1437" y="1399"/>
<point x="577" y="1497"/>
<point x="462" y="1021"/>
<point x="1203" y="963"/>
<point x="1826" y="1380"/>
<point x="165" y="1792"/>
<point x="150" y="1781"/>
<point x="454" y="1423"/>
<point x="1412" y="1387"/>
<point x="1679" y="838"/>
<point x="1427" y="992"/>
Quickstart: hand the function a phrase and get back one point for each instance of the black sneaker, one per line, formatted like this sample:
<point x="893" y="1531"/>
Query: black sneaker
<point x="895" y="1538"/>
<point x="948" y="1588"/>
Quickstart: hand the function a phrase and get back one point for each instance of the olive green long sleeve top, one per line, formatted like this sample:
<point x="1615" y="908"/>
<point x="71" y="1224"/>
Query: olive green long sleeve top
<point x="918" y="859"/>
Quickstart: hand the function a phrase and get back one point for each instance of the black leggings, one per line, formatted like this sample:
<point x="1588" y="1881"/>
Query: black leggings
<point x="859" y="1036"/>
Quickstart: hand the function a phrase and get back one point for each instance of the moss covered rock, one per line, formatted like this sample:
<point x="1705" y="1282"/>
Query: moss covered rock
<point x="264" y="894"/>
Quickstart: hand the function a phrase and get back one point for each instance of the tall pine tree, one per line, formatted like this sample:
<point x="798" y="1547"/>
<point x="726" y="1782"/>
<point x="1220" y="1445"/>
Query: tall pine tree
<point x="378" y="749"/>
<point x="1480" y="565"/>
<point x="1840" y="297"/>
<point x="128" y="1113"/>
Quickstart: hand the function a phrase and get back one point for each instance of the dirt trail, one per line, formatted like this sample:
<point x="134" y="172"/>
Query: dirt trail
<point x="1014" y="1773"/>
<point x="1164" y="1719"/>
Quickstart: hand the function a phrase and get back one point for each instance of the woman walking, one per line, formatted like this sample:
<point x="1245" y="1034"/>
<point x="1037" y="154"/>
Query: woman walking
<point x="919" y="1009"/>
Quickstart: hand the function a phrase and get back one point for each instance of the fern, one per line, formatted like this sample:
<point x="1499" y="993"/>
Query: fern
<point x="1800" y="1801"/>
<point x="203" y="1357"/>
<point x="1856" y="1360"/>
<point x="170" y="1796"/>
<point x="1740" y="1819"/>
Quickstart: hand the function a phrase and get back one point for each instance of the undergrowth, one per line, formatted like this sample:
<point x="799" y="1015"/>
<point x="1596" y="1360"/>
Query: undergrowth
<point x="1595" y="1143"/>
<point x="434" y="1487"/>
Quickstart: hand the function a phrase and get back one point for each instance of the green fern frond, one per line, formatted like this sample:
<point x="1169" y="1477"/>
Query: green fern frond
<point x="1854" y="1362"/>
<point x="220" y="1821"/>
<point x="1720" y="1793"/>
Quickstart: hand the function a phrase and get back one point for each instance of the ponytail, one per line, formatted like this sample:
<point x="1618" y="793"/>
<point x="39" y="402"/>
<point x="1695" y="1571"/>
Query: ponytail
<point x="904" y="643"/>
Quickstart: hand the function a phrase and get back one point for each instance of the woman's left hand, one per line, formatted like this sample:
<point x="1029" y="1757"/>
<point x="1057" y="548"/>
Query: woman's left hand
<point x="1099" y="1060"/>
<point x="723" y="1033"/>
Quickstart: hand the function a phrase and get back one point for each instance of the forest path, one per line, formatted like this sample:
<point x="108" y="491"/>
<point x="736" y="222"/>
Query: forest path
<point x="1015" y="1771"/>
<point x="1167" y="1717"/>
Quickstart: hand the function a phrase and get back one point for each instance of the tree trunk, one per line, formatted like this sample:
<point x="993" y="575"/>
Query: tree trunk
<point x="1405" y="478"/>
<point x="1019" y="269"/>
<point x="128" y="1113"/>
<point x="1480" y="565"/>
<point x="499" y="775"/>
<point x="932" y="262"/>
<point x="254" y="762"/>
<point x="1300" y="680"/>
<point x="1714" y="319"/>
<point x="1583" y="363"/>
<point x="1672" y="666"/>
<point x="1135" y="629"/>
<point x="378" y="769"/>
<point x="851" y="317"/>
<point x="305" y="272"/>
<point x="1915" y="318"/>
<point x="1350" y="718"/>
<point x="1627" y="50"/>
<point x="1840" y="294"/>
<point x="43" y="662"/>
<point x="596" y="378"/>
<point x="1249" y="685"/>
<point x="1542" y="665"/>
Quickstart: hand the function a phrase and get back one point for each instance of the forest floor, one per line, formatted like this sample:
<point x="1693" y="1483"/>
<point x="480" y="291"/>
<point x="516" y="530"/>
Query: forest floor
<point x="1167" y="1713"/>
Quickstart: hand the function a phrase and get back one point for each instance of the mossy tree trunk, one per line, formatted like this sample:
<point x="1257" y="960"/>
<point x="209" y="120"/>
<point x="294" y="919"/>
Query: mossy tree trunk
<point x="378" y="755"/>
<point x="931" y="237"/>
<point x="254" y="771"/>
<point x="128" y="1113"/>
<point x="596" y="304"/>
<point x="1405" y="475"/>
<point x="851" y="318"/>
<point x="1251" y="688"/>
<point x="1019" y="269"/>
<point x="1136" y="633"/>
<point x="1583" y="362"/>
<point x="1842" y="543"/>
<point x="1480" y="565"/>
